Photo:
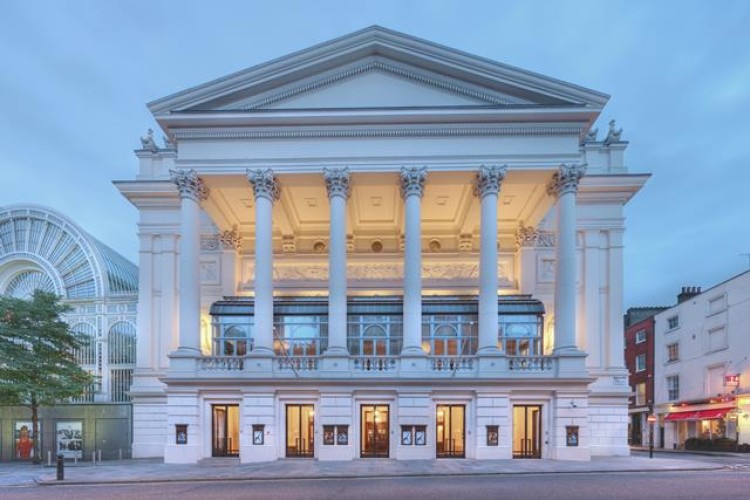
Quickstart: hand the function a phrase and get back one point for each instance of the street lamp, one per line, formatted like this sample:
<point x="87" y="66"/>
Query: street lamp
<point x="651" y="421"/>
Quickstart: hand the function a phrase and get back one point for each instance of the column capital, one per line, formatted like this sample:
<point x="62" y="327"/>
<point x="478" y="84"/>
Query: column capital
<point x="337" y="182"/>
<point x="566" y="179"/>
<point x="189" y="184"/>
<point x="488" y="180"/>
<point x="265" y="184"/>
<point x="412" y="181"/>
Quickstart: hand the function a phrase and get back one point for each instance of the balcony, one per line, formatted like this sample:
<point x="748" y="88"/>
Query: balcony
<point x="375" y="340"/>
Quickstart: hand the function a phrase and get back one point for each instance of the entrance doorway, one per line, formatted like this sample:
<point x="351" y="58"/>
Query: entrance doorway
<point x="375" y="432"/>
<point x="300" y="431"/>
<point x="450" y="431"/>
<point x="527" y="431"/>
<point x="225" y="431"/>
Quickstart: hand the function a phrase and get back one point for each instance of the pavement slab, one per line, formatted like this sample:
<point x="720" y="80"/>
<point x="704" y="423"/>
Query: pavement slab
<point x="155" y="471"/>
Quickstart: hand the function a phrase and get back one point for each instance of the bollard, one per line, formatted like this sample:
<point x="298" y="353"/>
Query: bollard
<point x="60" y="467"/>
<point x="100" y="457"/>
<point x="93" y="458"/>
<point x="119" y="454"/>
<point x="49" y="458"/>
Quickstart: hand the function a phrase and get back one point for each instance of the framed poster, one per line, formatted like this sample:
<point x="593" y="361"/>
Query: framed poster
<point x="258" y="434"/>
<point x="23" y="435"/>
<point x="571" y="435"/>
<point x="328" y="433"/>
<point x="492" y="435"/>
<point x="342" y="435"/>
<point x="420" y="435"/>
<point x="406" y="435"/>
<point x="181" y="433"/>
<point x="69" y="438"/>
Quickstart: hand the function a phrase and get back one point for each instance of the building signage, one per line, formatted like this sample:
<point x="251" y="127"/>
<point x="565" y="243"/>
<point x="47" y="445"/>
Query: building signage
<point x="731" y="380"/>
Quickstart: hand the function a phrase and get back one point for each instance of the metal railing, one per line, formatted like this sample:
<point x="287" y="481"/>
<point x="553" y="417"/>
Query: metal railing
<point x="530" y="363"/>
<point x="222" y="363"/>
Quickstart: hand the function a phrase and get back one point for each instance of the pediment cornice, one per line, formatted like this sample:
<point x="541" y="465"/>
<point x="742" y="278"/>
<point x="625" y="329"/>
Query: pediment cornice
<point x="367" y="47"/>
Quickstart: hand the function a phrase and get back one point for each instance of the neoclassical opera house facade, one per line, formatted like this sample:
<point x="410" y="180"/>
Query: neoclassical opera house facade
<point x="380" y="247"/>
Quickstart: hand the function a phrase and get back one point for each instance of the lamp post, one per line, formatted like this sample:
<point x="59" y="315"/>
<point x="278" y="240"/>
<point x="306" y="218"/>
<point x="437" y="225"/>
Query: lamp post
<point x="651" y="421"/>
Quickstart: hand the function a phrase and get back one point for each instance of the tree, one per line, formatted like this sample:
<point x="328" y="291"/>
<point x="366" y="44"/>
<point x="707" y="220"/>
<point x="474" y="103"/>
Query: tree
<point x="38" y="356"/>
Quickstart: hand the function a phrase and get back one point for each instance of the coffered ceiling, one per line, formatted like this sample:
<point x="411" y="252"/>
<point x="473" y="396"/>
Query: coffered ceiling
<point x="375" y="210"/>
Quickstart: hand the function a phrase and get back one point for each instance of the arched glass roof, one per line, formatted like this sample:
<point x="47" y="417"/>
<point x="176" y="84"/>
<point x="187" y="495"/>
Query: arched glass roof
<point x="40" y="245"/>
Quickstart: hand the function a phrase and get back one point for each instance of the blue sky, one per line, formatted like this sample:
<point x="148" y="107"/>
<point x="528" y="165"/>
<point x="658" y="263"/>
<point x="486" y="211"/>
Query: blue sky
<point x="76" y="76"/>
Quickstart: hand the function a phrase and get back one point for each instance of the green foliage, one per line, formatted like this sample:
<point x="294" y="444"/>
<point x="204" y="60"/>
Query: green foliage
<point x="37" y="353"/>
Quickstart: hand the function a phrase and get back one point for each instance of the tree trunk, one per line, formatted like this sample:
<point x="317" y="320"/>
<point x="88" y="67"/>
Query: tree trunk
<point x="35" y="427"/>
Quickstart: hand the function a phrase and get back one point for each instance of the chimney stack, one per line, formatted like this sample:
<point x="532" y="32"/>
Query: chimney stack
<point x="688" y="292"/>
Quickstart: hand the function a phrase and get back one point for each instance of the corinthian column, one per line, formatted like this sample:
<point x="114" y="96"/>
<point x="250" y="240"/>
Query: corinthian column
<point x="266" y="191"/>
<point x="192" y="191"/>
<point x="412" y="188"/>
<point x="487" y="188"/>
<point x="337" y="184"/>
<point x="564" y="186"/>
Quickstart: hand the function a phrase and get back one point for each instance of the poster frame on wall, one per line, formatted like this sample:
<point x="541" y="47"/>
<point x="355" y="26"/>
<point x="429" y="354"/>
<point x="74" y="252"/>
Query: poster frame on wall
<point x="69" y="438"/>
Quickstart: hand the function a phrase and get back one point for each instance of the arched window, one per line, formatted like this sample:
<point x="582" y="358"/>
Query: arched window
<point x="86" y="354"/>
<point x="121" y="342"/>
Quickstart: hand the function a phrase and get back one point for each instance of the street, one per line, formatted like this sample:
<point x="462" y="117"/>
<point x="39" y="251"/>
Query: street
<point x="729" y="484"/>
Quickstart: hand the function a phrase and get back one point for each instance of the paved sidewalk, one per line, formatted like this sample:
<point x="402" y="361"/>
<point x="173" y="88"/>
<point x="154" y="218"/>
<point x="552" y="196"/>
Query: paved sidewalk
<point x="153" y="470"/>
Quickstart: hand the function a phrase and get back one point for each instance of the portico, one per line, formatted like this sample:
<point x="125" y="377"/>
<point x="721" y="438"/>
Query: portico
<point x="403" y="243"/>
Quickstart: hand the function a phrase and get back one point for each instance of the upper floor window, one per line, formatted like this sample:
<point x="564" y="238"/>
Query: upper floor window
<point x="673" y="387"/>
<point x="673" y="322"/>
<point x="232" y="335"/>
<point x="717" y="304"/>
<point x="520" y="334"/>
<point x="717" y="339"/>
<point x="640" y="336"/>
<point x="673" y="352"/>
<point x="640" y="394"/>
<point x="640" y="362"/>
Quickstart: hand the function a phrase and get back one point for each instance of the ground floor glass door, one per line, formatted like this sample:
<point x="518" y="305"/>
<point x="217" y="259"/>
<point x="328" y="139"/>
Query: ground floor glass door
<point x="374" y="431"/>
<point x="300" y="431"/>
<point x="225" y="437"/>
<point x="450" y="431"/>
<point x="527" y="431"/>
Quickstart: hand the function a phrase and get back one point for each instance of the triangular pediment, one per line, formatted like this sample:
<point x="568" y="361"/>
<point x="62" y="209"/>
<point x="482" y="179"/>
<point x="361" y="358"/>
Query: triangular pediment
<point x="377" y="68"/>
<point x="374" y="83"/>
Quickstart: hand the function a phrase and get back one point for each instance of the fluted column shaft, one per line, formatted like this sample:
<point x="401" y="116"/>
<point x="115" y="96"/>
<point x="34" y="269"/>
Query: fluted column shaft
<point x="192" y="190"/>
<point x="266" y="191"/>
<point x="412" y="188"/>
<point x="564" y="186"/>
<point x="487" y="188"/>
<point x="337" y="184"/>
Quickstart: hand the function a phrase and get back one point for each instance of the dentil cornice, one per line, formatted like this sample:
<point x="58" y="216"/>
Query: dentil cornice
<point x="189" y="184"/>
<point x="265" y="184"/>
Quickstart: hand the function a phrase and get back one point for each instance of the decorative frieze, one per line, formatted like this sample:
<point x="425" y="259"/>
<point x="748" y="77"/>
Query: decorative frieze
<point x="383" y="271"/>
<point x="488" y="180"/>
<point x="337" y="182"/>
<point x="412" y="181"/>
<point x="349" y="243"/>
<point x="265" y="184"/>
<point x="209" y="242"/>
<point x="229" y="239"/>
<point x="529" y="236"/>
<point x="566" y="179"/>
<point x="189" y="184"/>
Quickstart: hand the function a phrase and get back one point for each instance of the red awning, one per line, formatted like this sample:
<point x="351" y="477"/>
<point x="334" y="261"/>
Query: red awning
<point x="697" y="415"/>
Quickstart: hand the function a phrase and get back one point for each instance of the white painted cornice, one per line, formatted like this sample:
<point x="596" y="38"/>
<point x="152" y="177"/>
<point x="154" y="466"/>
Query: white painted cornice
<point x="610" y="189"/>
<point x="388" y="44"/>
<point x="149" y="193"/>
